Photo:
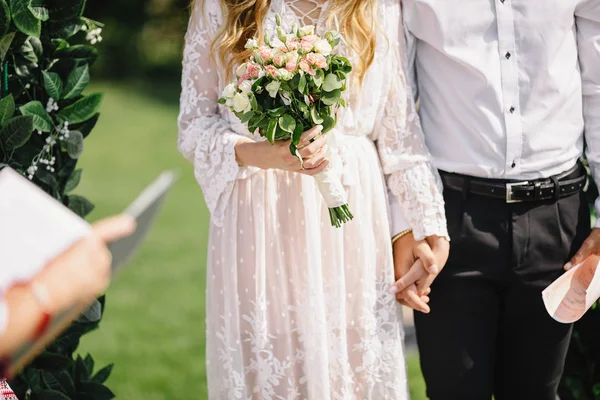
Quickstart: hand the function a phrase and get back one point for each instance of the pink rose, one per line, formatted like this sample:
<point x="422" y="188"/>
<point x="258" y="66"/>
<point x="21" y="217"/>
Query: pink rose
<point x="271" y="71"/>
<point x="308" y="42"/>
<point x="291" y="65"/>
<point x="253" y="71"/>
<point x="243" y="78"/>
<point x="279" y="60"/>
<point x="293" y="44"/>
<point x="266" y="53"/>
<point x="305" y="66"/>
<point x="316" y="60"/>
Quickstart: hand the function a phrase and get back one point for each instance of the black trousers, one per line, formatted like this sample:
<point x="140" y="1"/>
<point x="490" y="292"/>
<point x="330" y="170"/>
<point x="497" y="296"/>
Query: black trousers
<point x="488" y="332"/>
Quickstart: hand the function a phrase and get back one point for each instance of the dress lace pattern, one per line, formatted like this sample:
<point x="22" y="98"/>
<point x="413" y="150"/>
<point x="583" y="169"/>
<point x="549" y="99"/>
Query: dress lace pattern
<point x="297" y="309"/>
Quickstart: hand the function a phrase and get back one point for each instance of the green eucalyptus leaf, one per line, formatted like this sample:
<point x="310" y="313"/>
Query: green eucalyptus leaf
<point x="66" y="10"/>
<point x="246" y="117"/>
<point x="102" y="375"/>
<point x="53" y="84"/>
<point x="331" y="98"/>
<point x="5" y="42"/>
<point x="253" y="102"/>
<point x="82" y="207"/>
<point x="298" y="131"/>
<point x="24" y="19"/>
<point x="60" y="44"/>
<point x="75" y="144"/>
<point x="7" y="109"/>
<point x="4" y="17"/>
<point x="302" y="83"/>
<point x="82" y="110"/>
<point x="331" y="83"/>
<point x="287" y="123"/>
<point x="73" y="181"/>
<point x="270" y="134"/>
<point x="41" y="119"/>
<point x="16" y="132"/>
<point x="28" y="52"/>
<point x="319" y="78"/>
<point x="77" y="81"/>
<point x="328" y="123"/>
<point x="314" y="115"/>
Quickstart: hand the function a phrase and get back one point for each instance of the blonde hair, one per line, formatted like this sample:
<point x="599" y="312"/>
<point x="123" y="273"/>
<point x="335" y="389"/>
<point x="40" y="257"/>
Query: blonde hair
<point x="244" y="18"/>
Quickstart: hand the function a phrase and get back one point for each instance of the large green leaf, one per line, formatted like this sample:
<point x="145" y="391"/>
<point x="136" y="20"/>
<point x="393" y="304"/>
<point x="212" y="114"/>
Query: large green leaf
<point x="41" y="119"/>
<point x="73" y="181"/>
<point x="53" y="84"/>
<point x="52" y="395"/>
<point x="77" y="81"/>
<point x="80" y="205"/>
<point x="7" y="109"/>
<point x="81" y="110"/>
<point x="102" y="375"/>
<point x="24" y="19"/>
<point x="66" y="10"/>
<point x="314" y="115"/>
<point x="79" y="52"/>
<point x="4" y="17"/>
<point x="16" y="132"/>
<point x="39" y="10"/>
<point x="95" y="391"/>
<point x="5" y="43"/>
<point x="75" y="144"/>
<point x="58" y="380"/>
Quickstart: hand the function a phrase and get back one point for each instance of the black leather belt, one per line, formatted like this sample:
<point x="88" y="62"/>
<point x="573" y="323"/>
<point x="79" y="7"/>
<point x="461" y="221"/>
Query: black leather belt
<point x="555" y="187"/>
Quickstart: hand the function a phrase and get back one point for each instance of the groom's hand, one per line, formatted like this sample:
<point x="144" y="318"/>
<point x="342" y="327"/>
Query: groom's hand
<point x="417" y="264"/>
<point x="589" y="247"/>
<point x="411" y="258"/>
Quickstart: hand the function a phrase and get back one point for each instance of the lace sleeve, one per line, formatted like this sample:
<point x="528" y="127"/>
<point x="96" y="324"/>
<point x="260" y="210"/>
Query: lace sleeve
<point x="404" y="157"/>
<point x="205" y="137"/>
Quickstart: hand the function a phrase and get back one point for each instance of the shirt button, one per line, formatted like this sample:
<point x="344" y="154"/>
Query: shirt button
<point x="507" y="55"/>
<point x="514" y="164"/>
<point x="512" y="110"/>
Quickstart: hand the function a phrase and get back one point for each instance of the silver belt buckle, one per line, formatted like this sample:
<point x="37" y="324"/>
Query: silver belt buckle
<point x="509" y="191"/>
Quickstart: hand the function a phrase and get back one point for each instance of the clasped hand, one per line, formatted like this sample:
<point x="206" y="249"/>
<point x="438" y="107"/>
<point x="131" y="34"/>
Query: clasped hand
<point x="417" y="264"/>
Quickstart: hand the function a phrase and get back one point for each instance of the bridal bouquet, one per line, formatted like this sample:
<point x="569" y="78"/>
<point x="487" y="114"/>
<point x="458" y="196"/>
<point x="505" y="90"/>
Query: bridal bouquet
<point x="292" y="83"/>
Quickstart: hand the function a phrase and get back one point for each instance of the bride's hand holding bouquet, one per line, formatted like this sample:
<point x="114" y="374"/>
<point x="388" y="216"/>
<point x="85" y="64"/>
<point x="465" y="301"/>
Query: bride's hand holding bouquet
<point x="289" y="92"/>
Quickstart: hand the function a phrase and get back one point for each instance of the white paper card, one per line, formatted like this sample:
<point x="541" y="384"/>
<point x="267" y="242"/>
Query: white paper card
<point x="569" y="297"/>
<point x="34" y="227"/>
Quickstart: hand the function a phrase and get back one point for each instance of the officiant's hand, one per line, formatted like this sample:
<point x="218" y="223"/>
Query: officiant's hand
<point x="417" y="264"/>
<point x="264" y="155"/>
<point x="589" y="247"/>
<point x="82" y="272"/>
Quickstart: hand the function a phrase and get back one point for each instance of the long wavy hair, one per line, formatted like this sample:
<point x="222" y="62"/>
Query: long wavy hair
<point x="244" y="20"/>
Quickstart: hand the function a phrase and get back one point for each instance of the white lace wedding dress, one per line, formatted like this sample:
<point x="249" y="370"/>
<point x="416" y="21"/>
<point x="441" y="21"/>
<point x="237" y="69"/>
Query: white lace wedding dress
<point x="298" y="309"/>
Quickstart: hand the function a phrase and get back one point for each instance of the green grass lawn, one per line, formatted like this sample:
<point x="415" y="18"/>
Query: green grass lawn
<point x="153" y="328"/>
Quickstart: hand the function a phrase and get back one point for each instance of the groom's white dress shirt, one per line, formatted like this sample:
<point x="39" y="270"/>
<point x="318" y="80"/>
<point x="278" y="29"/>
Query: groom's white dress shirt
<point x="508" y="89"/>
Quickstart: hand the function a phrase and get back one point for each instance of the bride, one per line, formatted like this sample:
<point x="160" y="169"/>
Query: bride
<point x="297" y="309"/>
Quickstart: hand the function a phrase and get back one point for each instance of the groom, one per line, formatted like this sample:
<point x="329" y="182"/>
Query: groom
<point x="509" y="90"/>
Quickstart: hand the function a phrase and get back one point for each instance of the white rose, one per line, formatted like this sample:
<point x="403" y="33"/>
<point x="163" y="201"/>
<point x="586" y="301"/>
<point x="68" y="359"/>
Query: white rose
<point x="229" y="91"/>
<point x="251" y="44"/>
<point x="284" y="74"/>
<point x="273" y="88"/>
<point x="307" y="30"/>
<point x="246" y="87"/>
<point x="322" y="46"/>
<point x="241" y="70"/>
<point x="241" y="103"/>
